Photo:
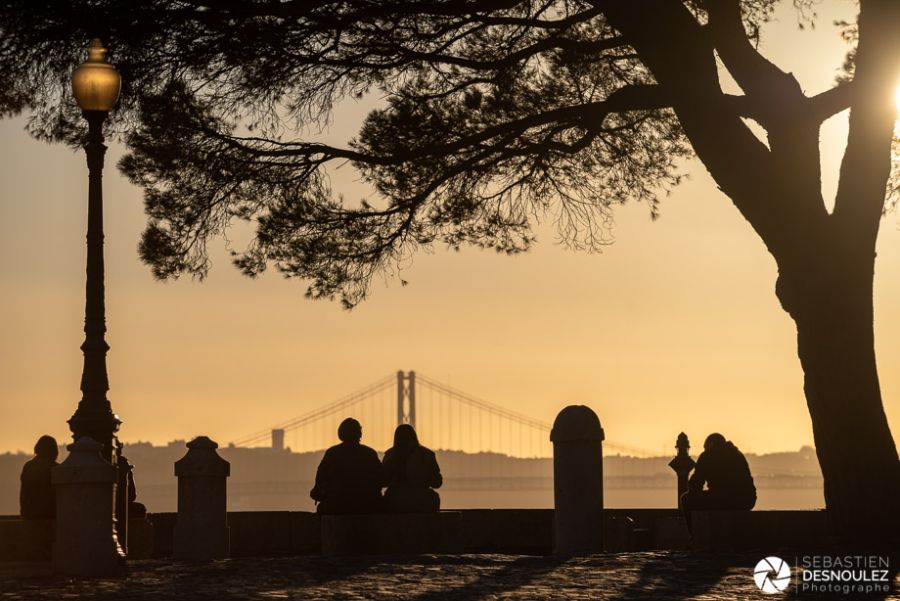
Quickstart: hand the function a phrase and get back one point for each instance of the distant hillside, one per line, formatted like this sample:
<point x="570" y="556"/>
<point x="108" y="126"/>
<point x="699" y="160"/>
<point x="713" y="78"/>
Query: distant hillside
<point x="270" y="479"/>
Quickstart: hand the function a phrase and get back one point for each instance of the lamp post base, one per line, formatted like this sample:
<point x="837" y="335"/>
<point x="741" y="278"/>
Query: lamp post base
<point x="86" y="543"/>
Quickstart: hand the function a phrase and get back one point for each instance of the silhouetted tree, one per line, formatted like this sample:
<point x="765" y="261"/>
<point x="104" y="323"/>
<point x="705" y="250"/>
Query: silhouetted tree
<point x="493" y="114"/>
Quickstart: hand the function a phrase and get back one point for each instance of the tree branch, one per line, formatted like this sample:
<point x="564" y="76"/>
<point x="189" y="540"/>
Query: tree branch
<point x="751" y="70"/>
<point x="627" y="98"/>
<point x="873" y="114"/>
<point x="762" y="81"/>
<point x="682" y="59"/>
<point x="831" y="102"/>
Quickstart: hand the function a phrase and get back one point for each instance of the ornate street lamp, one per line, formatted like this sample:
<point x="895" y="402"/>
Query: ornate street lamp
<point x="95" y="84"/>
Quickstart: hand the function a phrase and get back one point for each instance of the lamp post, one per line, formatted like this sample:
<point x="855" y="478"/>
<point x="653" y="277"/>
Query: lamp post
<point x="95" y="84"/>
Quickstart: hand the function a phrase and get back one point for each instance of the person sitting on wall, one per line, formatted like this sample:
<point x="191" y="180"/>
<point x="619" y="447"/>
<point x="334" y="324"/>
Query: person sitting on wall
<point x="349" y="478"/>
<point x="411" y="472"/>
<point x="723" y="469"/>
<point x="126" y="478"/>
<point x="37" y="500"/>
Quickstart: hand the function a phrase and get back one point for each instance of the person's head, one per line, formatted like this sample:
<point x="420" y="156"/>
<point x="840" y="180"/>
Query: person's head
<point x="46" y="448"/>
<point x="405" y="437"/>
<point x="714" y="441"/>
<point x="350" y="430"/>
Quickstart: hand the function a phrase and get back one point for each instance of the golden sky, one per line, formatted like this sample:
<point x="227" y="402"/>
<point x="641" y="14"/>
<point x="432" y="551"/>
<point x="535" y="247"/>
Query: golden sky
<point x="674" y="327"/>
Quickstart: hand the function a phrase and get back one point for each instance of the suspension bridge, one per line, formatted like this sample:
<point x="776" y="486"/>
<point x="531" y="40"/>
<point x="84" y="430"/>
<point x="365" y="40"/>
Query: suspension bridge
<point x="445" y="418"/>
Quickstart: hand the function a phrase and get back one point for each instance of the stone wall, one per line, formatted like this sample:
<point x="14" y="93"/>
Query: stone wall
<point x="513" y="531"/>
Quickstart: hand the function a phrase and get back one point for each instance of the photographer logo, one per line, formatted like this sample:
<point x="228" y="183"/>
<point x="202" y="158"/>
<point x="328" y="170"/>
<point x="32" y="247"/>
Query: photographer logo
<point x="772" y="575"/>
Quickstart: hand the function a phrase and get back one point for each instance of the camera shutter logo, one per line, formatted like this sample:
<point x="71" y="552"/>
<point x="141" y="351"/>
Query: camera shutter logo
<point x="772" y="575"/>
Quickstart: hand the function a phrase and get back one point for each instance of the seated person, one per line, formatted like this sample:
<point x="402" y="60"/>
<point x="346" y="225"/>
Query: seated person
<point x="136" y="509"/>
<point x="411" y="473"/>
<point x="37" y="499"/>
<point x="126" y="478"/>
<point x="349" y="477"/>
<point x="724" y="471"/>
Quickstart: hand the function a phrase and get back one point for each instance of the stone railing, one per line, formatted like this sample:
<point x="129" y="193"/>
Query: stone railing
<point x="203" y="529"/>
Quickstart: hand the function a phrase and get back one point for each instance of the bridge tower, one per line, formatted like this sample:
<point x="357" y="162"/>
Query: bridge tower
<point x="406" y="398"/>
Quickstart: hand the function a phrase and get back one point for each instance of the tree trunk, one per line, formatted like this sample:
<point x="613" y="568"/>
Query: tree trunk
<point x="829" y="296"/>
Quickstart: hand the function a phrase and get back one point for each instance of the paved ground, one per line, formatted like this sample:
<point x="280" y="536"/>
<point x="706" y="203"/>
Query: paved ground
<point x="650" y="575"/>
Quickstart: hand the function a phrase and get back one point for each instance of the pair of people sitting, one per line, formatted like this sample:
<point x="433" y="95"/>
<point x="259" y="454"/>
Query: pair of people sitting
<point x="350" y="477"/>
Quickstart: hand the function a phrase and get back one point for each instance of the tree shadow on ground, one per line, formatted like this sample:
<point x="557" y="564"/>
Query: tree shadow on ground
<point x="675" y="576"/>
<point x="319" y="570"/>
<point x="510" y="577"/>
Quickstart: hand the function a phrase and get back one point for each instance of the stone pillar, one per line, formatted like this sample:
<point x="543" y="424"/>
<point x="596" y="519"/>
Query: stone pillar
<point x="85" y="487"/>
<point x="682" y="464"/>
<point x="201" y="530"/>
<point x="577" y="481"/>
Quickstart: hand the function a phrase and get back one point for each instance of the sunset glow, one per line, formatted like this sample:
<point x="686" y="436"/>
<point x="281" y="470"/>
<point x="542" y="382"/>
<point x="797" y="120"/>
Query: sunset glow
<point x="677" y="319"/>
